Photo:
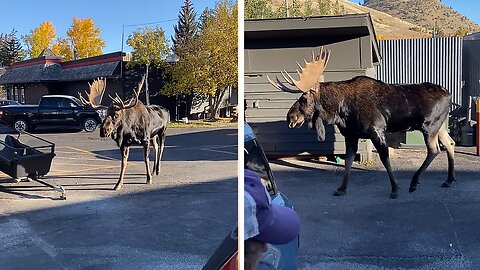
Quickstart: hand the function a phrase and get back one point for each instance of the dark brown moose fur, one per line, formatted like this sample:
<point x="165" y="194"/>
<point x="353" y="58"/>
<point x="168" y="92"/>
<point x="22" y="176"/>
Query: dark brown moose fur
<point x="138" y="125"/>
<point x="367" y="108"/>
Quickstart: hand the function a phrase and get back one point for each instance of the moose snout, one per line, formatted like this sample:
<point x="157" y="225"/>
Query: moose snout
<point x="295" y="121"/>
<point x="106" y="128"/>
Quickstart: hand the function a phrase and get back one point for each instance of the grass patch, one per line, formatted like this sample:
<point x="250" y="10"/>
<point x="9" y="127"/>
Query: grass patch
<point x="222" y="122"/>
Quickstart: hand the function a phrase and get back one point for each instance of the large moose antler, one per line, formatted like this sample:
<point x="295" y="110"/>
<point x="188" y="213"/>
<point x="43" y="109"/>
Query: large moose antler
<point x="120" y="105"/>
<point x="309" y="75"/>
<point x="95" y="94"/>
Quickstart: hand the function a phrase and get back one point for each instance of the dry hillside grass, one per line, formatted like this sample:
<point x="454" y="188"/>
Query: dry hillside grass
<point x="386" y="26"/>
<point x="425" y="13"/>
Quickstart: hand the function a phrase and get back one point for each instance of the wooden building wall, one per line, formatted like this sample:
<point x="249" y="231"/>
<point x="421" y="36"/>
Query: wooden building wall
<point x="267" y="107"/>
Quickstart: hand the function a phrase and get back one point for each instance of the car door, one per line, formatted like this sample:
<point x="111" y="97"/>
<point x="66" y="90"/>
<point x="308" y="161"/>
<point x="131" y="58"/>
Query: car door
<point x="65" y="112"/>
<point x="47" y="110"/>
<point x="55" y="111"/>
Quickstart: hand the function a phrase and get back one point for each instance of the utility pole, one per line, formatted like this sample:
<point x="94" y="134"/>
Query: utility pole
<point x="286" y="7"/>
<point x="147" y="94"/>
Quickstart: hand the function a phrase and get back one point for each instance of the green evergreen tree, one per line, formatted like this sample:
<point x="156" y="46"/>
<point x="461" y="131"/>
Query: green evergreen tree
<point x="3" y="43"/>
<point x="186" y="28"/>
<point x="186" y="31"/>
<point x="11" y="49"/>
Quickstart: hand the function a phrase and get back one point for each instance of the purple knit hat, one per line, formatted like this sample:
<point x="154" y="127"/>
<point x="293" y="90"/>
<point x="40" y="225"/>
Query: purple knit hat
<point x="273" y="224"/>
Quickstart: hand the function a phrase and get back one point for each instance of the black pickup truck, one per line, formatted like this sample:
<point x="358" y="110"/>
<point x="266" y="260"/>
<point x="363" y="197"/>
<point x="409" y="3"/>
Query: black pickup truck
<point x="51" y="110"/>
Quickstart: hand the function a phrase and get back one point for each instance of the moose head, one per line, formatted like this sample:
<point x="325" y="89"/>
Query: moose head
<point x="303" y="110"/>
<point x="115" y="110"/>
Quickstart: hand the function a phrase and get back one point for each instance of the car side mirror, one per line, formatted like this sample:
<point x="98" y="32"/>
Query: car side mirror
<point x="73" y="105"/>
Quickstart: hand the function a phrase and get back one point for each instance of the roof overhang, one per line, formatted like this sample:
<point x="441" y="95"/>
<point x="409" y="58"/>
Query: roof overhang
<point x="341" y="27"/>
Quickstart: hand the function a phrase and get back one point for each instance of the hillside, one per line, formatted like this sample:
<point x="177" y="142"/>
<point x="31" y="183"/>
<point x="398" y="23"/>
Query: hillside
<point x="425" y="13"/>
<point x="386" y="26"/>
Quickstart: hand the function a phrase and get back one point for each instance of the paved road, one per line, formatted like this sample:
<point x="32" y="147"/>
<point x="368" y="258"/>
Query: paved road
<point x="175" y="223"/>
<point x="433" y="228"/>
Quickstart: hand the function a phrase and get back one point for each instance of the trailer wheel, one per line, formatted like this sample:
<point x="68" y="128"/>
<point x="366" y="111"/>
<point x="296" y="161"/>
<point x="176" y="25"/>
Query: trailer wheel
<point x="90" y="124"/>
<point x="20" y="125"/>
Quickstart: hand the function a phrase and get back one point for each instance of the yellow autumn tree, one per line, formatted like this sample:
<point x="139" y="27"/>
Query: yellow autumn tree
<point x="219" y="45"/>
<point x="149" y="47"/>
<point x="62" y="48"/>
<point x="40" y="38"/>
<point x="85" y="37"/>
<point x="210" y="65"/>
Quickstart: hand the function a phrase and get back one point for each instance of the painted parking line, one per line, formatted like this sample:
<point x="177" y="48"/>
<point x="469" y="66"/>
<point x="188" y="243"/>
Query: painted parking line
<point x="86" y="152"/>
<point x="215" y="149"/>
<point x="58" y="172"/>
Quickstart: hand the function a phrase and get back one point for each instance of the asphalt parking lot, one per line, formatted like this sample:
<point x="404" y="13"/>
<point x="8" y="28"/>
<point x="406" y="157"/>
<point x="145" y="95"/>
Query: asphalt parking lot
<point x="432" y="228"/>
<point x="175" y="223"/>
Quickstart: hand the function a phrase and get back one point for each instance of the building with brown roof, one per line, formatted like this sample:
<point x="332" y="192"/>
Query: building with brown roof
<point x="27" y="81"/>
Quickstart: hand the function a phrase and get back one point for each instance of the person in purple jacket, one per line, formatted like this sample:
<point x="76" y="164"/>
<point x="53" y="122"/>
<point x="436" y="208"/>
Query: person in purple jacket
<point x="265" y="223"/>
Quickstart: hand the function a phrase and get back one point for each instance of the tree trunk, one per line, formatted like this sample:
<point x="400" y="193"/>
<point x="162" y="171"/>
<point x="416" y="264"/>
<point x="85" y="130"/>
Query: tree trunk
<point x="215" y="101"/>
<point x="211" y="108"/>
<point x="188" y="104"/>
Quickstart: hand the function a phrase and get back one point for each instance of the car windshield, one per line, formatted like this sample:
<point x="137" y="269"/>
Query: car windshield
<point x="77" y="101"/>
<point x="256" y="161"/>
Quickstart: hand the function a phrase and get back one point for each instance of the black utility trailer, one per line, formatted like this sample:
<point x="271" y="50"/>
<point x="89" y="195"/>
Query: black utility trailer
<point x="22" y="161"/>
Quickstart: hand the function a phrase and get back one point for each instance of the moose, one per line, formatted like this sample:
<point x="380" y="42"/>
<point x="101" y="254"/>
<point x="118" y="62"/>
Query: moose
<point x="131" y="123"/>
<point x="366" y="108"/>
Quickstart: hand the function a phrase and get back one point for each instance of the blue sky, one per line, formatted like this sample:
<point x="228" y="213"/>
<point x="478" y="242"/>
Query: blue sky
<point x="468" y="8"/>
<point x="25" y="15"/>
<point x="109" y="16"/>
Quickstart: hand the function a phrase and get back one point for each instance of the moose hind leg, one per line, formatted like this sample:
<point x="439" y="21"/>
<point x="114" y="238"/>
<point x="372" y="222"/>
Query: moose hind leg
<point x="160" y="152"/>
<point x="433" y="148"/>
<point x="125" y="151"/>
<point x="352" y="147"/>
<point x="155" y="150"/>
<point x="449" y="144"/>
<point x="146" y="152"/>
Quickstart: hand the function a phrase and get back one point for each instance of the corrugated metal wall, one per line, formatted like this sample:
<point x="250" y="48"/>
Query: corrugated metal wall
<point x="435" y="60"/>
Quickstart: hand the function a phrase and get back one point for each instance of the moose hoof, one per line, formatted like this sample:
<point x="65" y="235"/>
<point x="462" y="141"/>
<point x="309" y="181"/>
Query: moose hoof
<point x="447" y="184"/>
<point x="117" y="187"/>
<point x="412" y="189"/>
<point x="149" y="182"/>
<point x="393" y="195"/>
<point x="339" y="192"/>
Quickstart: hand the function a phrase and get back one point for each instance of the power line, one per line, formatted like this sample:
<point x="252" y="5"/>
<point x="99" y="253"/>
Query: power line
<point x="141" y="24"/>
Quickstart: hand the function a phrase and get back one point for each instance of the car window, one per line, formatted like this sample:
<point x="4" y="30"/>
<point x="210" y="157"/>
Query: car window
<point x="63" y="103"/>
<point x="48" y="102"/>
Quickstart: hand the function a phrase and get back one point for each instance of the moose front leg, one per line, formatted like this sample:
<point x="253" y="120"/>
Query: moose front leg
<point x="146" y="152"/>
<point x="382" y="149"/>
<point x="125" y="151"/>
<point x="352" y="147"/>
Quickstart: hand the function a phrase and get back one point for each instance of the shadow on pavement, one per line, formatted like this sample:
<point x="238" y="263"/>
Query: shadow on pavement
<point x="165" y="228"/>
<point x="431" y="228"/>
<point x="195" y="146"/>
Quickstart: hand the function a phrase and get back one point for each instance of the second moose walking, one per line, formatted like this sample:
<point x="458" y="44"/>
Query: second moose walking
<point x="131" y="123"/>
